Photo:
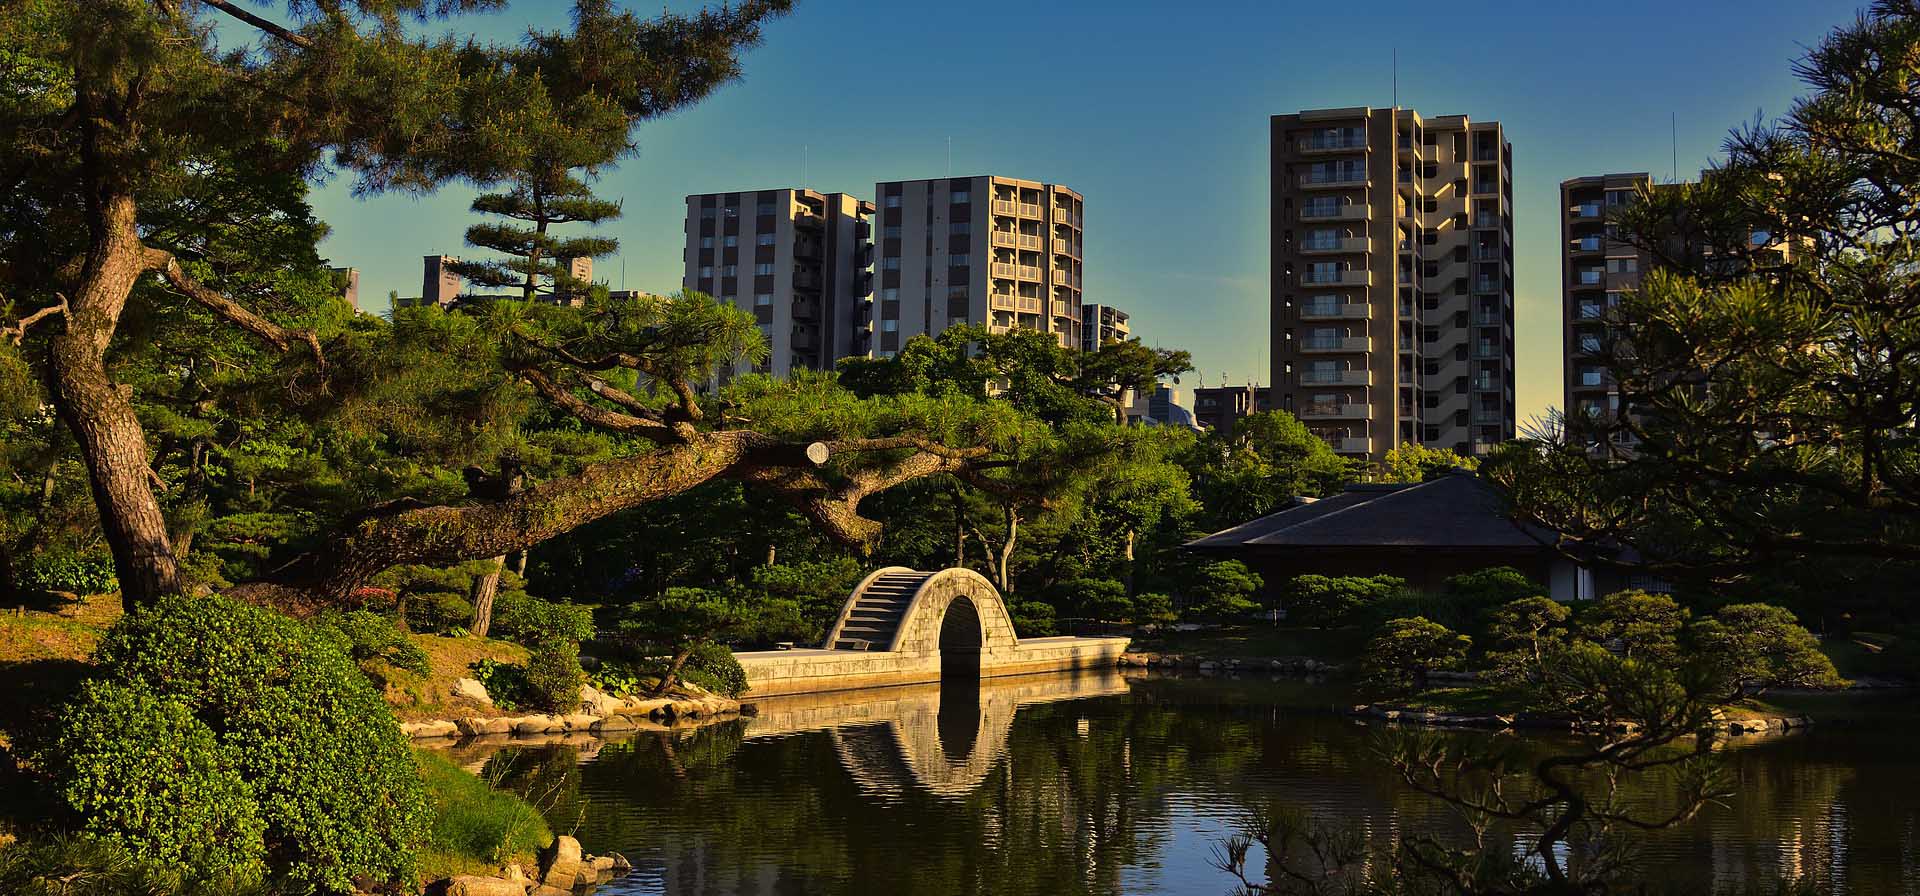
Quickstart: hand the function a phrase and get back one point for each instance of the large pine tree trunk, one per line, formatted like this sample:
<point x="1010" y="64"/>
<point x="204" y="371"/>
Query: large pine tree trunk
<point x="485" y="587"/>
<point x="101" y="417"/>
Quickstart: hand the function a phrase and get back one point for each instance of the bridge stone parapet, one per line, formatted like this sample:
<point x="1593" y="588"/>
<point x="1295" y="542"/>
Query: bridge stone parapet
<point x="901" y="626"/>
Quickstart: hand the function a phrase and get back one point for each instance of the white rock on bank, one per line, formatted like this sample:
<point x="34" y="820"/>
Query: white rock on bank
<point x="472" y="689"/>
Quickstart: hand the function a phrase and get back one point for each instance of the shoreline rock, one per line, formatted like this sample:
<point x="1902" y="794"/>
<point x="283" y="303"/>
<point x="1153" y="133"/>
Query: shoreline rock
<point x="1284" y="666"/>
<point x="1533" y="721"/>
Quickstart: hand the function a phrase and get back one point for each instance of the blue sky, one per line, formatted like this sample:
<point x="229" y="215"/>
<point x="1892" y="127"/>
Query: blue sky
<point x="1158" y="114"/>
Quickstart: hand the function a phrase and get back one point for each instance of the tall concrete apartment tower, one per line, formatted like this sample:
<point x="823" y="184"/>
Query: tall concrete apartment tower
<point x="985" y="250"/>
<point x="1392" y="293"/>
<point x="799" y="260"/>
<point x="1594" y="270"/>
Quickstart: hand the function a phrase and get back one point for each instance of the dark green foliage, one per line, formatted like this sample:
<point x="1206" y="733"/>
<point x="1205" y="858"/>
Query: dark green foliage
<point x="142" y="772"/>
<point x="800" y="600"/>
<point x="713" y="667"/>
<point x="530" y="620"/>
<point x="1152" y="608"/>
<point x="372" y="639"/>
<point x="1413" y="462"/>
<point x="554" y="676"/>
<point x="1093" y="599"/>
<point x="472" y="820"/>
<point x="506" y="683"/>
<point x="83" y="865"/>
<point x="1267" y="460"/>
<point x="1493" y="586"/>
<point x="1523" y="635"/>
<point x="332" y="777"/>
<point x="1641" y="625"/>
<point x="1759" y="646"/>
<point x="1329" y="601"/>
<point x="1221" y="590"/>
<point x="1405" y="650"/>
<point x="74" y="573"/>
<point x="1032" y="618"/>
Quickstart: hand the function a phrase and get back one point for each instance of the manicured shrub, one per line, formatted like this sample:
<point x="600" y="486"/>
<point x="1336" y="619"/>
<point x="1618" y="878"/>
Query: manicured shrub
<point x="1330" y="600"/>
<point x="1493" y="586"/>
<point x="1638" y="624"/>
<point x="1032" y="618"/>
<point x="1222" y="590"/>
<point x="506" y="683"/>
<point x="62" y="571"/>
<point x="1093" y="598"/>
<point x="554" y="675"/>
<point x="712" y="666"/>
<point x="1152" y="608"/>
<point x="530" y="620"/>
<point x="1761" y="646"/>
<point x="1405" y="650"/>
<point x="372" y="638"/>
<point x="437" y="611"/>
<point x="81" y="864"/>
<point x="332" y="777"/>
<point x="144" y="773"/>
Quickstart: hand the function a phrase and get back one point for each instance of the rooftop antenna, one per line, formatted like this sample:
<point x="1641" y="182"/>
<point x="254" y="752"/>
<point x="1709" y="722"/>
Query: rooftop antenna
<point x="949" y="156"/>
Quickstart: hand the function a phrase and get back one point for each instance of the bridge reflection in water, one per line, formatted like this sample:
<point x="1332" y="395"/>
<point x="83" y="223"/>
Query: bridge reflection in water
<point x="942" y="739"/>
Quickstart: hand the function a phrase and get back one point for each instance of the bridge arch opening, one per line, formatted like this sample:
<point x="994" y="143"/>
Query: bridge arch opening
<point x="961" y="637"/>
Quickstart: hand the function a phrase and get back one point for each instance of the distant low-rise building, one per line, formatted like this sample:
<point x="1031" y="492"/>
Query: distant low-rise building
<point x="1161" y="407"/>
<point x="347" y="282"/>
<point x="1220" y="407"/>
<point x="1101" y="324"/>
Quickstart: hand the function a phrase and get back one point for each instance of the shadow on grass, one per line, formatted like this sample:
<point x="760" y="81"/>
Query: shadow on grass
<point x="31" y="692"/>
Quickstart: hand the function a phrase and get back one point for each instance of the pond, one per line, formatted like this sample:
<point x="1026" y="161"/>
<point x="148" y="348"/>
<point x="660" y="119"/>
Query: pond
<point x="1098" y="783"/>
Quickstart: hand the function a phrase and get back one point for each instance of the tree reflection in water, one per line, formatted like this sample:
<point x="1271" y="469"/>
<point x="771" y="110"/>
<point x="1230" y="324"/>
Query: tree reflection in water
<point x="1119" y="786"/>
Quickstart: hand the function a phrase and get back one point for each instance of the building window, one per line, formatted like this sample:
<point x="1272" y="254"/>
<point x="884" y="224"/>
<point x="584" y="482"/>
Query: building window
<point x="765" y="208"/>
<point x="706" y="272"/>
<point x="729" y="270"/>
<point x="706" y="242"/>
<point x="765" y="239"/>
<point x="891" y="231"/>
<point x="893" y="202"/>
<point x="763" y="269"/>
<point x="960" y="228"/>
<point x="733" y="240"/>
<point x="890" y="294"/>
<point x="962" y="197"/>
<point x="890" y="263"/>
<point x="1623" y="265"/>
<point x="957" y="293"/>
<point x="958" y="260"/>
<point x="763" y="299"/>
<point x="708" y="213"/>
<point x="889" y="326"/>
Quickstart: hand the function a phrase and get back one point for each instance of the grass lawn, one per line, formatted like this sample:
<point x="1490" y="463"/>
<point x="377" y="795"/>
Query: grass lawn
<point x="430" y="696"/>
<point x="476" y="829"/>
<point x="1337" y="645"/>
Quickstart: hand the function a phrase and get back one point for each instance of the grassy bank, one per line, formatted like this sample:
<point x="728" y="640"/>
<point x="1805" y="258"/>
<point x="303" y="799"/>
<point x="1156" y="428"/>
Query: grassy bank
<point x="476" y="829"/>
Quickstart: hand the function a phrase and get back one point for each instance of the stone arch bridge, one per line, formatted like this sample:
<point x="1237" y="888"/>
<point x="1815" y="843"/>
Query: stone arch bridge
<point x="903" y="626"/>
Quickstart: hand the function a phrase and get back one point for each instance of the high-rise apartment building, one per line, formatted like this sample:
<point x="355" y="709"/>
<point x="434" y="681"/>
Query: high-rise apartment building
<point x="1595" y="269"/>
<point x="985" y="250"/>
<point x="1101" y="324"/>
<point x="1392" y="284"/>
<point x="799" y="260"/>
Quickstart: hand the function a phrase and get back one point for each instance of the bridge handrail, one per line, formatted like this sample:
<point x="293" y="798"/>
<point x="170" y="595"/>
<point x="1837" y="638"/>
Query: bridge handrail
<point x="853" y="599"/>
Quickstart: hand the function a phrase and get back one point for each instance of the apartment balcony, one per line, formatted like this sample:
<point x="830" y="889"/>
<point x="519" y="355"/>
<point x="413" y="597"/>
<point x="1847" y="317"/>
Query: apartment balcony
<point x="1489" y="416"/>
<point x="1326" y="247"/>
<point x="1586" y="211"/>
<point x="1310" y="181"/>
<point x="806" y="311"/>
<point x="1319" y="144"/>
<point x="1488" y="285"/>
<point x="1486" y="154"/>
<point x="1064" y="309"/>
<point x="1352" y="445"/>
<point x="1485" y="382"/>
<point x="1016" y="271"/>
<point x="1486" y="222"/>
<point x="805" y="340"/>
<point x="1029" y="305"/>
<point x="1335" y="411"/>
<point x="1066" y="247"/>
<point x="1017" y="209"/>
<point x="1067" y="217"/>
<point x="1486" y="186"/>
<point x="1066" y="278"/>
<point x="1335" y="311"/>
<point x="1337" y="278"/>
<point x="806" y="279"/>
<point x="1336" y="378"/>
<point x="1488" y="253"/>
<point x="1586" y="244"/>
<point x="1489" y="319"/>
<point x="1590" y="277"/>
<point x="1016" y="240"/>
<point x="1313" y="345"/>
<point x="1488" y="351"/>
<point x="1352" y="211"/>
<point x="1482" y="447"/>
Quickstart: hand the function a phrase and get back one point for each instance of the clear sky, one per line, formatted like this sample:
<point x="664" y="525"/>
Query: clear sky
<point x="1158" y="113"/>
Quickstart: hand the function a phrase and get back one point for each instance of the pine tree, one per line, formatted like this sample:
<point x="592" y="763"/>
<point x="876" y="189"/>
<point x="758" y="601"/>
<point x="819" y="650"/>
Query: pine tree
<point x="537" y="262"/>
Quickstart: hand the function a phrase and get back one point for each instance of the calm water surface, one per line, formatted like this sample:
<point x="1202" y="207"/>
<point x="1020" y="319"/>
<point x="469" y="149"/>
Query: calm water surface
<point x="1103" y="784"/>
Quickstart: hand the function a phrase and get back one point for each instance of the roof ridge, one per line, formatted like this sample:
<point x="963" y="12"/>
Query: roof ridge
<point x="1336" y="512"/>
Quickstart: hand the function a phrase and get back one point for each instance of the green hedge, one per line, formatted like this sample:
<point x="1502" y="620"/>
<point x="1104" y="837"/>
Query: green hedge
<point x="330" y="776"/>
<point x="76" y="573"/>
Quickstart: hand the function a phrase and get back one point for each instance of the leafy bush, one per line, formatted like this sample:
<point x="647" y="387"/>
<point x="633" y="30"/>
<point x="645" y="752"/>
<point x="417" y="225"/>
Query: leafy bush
<point x="1152" y="608"/>
<point x="1032" y="618"/>
<point x="1760" y="646"/>
<point x="1328" y="601"/>
<point x="1093" y="598"/>
<point x="142" y="772"/>
<point x="438" y="611"/>
<point x="1222" y="590"/>
<point x="331" y="776"/>
<point x="1643" y="625"/>
<point x="1405" y="650"/>
<point x="1493" y="586"/>
<point x="75" y="573"/>
<point x="815" y="588"/>
<point x="712" y="666"/>
<point x="529" y="620"/>
<point x="474" y="822"/>
<point x="506" y="683"/>
<point x="86" y="865"/>
<point x="554" y="675"/>
<point x="372" y="638"/>
<point x="620" y="679"/>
